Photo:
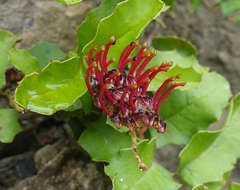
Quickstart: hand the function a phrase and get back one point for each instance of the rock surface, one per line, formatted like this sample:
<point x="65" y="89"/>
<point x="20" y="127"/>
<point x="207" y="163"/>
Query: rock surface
<point x="43" y="20"/>
<point x="63" y="166"/>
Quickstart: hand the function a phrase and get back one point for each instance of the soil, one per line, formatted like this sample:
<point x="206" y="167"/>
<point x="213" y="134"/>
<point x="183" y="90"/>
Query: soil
<point x="45" y="156"/>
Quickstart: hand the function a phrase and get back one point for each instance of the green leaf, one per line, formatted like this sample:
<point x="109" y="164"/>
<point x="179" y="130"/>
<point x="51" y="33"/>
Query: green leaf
<point x="84" y="103"/>
<point x="125" y="24"/>
<point x="7" y="41"/>
<point x="9" y="125"/>
<point x="214" y="185"/>
<point x="87" y="103"/>
<point x="188" y="75"/>
<point x="72" y="53"/>
<point x="102" y="142"/>
<point x="69" y="2"/>
<point x="125" y="173"/>
<point x="46" y="52"/>
<point x="123" y="168"/>
<point x="23" y="61"/>
<point x="228" y="7"/>
<point x="169" y="2"/>
<point x="211" y="154"/>
<point x="56" y="87"/>
<point x="236" y="18"/>
<point x="183" y="56"/>
<point x="183" y="48"/>
<point x="204" y="187"/>
<point x="195" y="4"/>
<point x="75" y="106"/>
<point x="91" y="22"/>
<point x="234" y="186"/>
<point x="186" y="112"/>
<point x="76" y="126"/>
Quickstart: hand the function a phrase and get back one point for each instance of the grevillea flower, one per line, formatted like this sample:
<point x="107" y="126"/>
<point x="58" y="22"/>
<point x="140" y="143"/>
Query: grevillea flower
<point x="122" y="94"/>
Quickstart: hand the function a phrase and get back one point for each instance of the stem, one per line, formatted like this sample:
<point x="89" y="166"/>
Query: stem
<point x="135" y="151"/>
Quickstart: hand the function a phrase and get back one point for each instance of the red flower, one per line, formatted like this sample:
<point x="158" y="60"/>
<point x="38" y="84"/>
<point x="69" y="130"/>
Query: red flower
<point x="122" y="94"/>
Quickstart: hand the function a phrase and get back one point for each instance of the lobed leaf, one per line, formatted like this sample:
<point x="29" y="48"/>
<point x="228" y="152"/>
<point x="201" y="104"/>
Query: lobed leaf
<point x="170" y="43"/>
<point x="72" y="53"/>
<point x="214" y="185"/>
<point x="125" y="173"/>
<point x="234" y="186"/>
<point x="9" y="125"/>
<point x="183" y="56"/>
<point x="56" y="87"/>
<point x="187" y="112"/>
<point x="69" y="2"/>
<point x="46" y="52"/>
<point x="23" y="61"/>
<point x="87" y="103"/>
<point x="75" y="106"/>
<point x="104" y="143"/>
<point x="211" y="154"/>
<point x="125" y="24"/>
<point x="7" y="41"/>
<point x="84" y="102"/>
<point x="91" y="22"/>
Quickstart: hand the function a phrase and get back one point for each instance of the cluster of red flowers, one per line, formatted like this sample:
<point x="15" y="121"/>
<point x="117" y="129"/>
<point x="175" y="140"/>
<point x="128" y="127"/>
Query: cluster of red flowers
<point x="122" y="94"/>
